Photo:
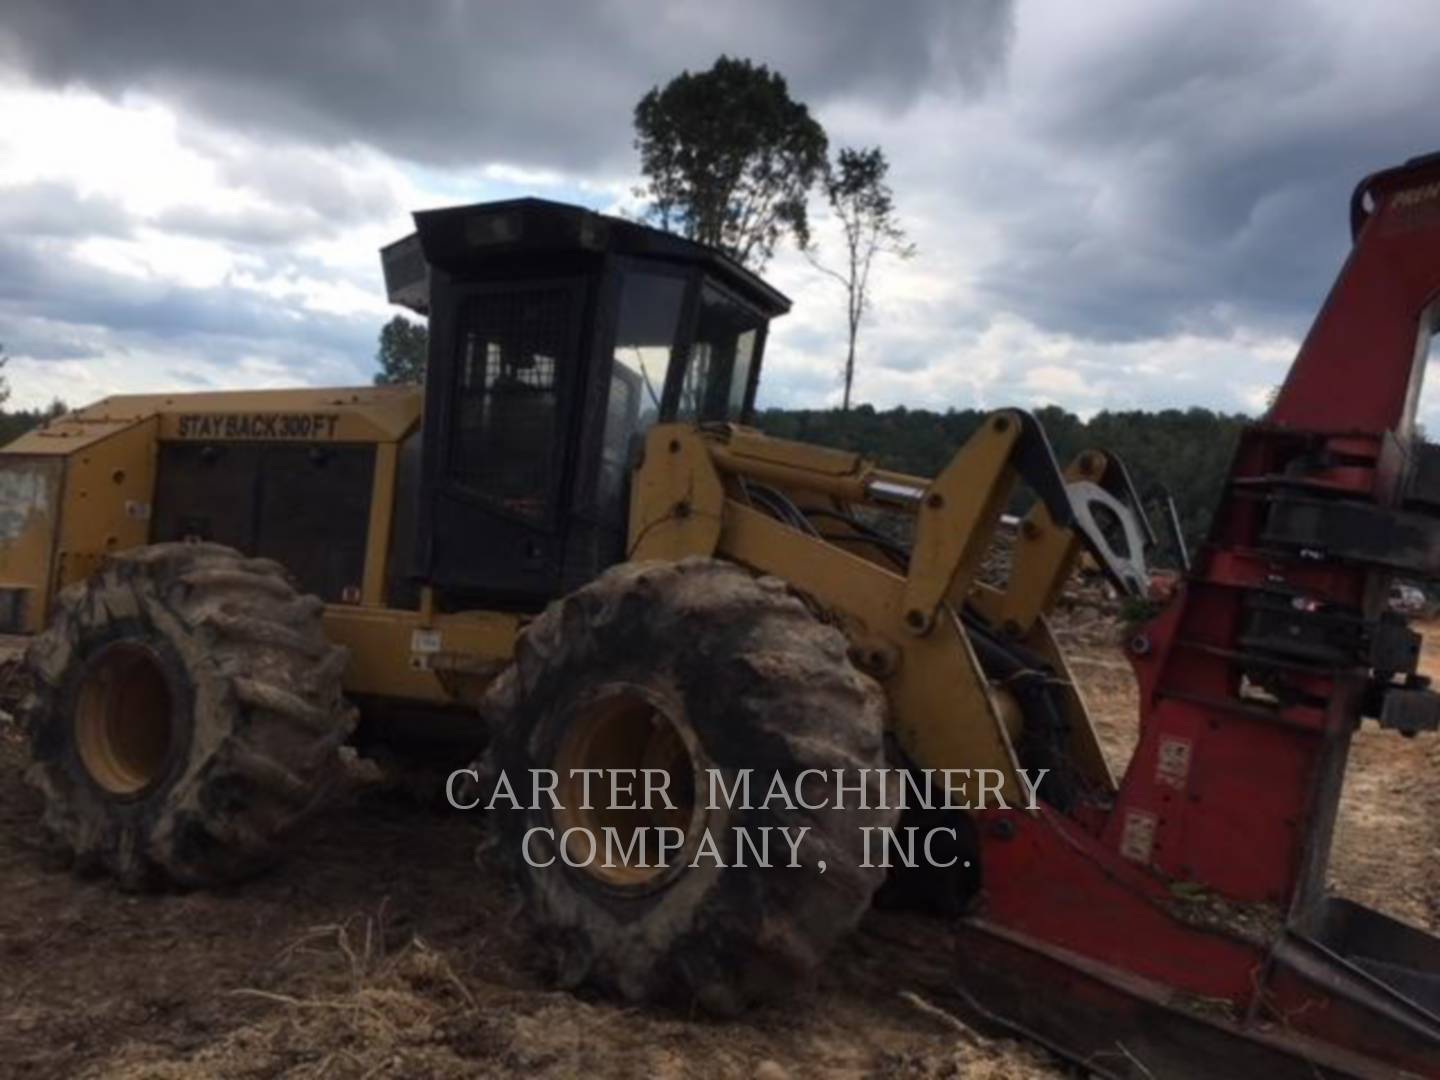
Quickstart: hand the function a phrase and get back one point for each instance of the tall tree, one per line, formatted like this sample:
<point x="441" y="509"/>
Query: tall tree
<point x="402" y="351"/>
<point x="862" y="202"/>
<point x="4" y="382"/>
<point x="729" y="158"/>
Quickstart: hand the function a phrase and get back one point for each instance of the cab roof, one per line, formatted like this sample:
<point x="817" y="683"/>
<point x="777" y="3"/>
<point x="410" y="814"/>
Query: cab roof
<point x="463" y="239"/>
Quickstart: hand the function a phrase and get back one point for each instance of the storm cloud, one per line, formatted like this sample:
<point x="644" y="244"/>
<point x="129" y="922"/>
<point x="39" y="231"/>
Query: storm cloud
<point x="1209" y="158"/>
<point x="1131" y="204"/>
<point x="547" y="83"/>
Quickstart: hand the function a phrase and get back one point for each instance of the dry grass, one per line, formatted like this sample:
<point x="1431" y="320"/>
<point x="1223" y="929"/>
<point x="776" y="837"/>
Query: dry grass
<point x="354" y="1011"/>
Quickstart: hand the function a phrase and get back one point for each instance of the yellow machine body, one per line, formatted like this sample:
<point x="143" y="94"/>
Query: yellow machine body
<point x="89" y="484"/>
<point x="85" y="485"/>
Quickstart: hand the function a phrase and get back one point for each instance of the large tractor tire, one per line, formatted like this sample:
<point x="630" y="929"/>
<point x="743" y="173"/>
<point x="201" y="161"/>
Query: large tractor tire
<point x="185" y="715"/>
<point x="687" y="667"/>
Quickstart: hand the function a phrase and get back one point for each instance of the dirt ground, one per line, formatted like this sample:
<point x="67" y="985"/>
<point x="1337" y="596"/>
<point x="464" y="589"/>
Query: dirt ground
<point x="1387" y="841"/>
<point x="1386" y="852"/>
<point x="382" y="949"/>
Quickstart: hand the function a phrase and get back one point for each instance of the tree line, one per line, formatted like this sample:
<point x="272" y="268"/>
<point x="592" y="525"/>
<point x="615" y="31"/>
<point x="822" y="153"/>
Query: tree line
<point x="1185" y="452"/>
<point x="15" y="422"/>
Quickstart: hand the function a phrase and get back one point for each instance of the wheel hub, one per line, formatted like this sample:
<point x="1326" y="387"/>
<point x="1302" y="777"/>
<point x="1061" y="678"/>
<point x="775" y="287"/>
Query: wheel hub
<point x="620" y="731"/>
<point x="123" y="719"/>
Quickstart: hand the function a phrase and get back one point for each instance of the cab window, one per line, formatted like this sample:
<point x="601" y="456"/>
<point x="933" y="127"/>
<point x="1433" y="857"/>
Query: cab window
<point x="645" y="336"/>
<point x="716" y="377"/>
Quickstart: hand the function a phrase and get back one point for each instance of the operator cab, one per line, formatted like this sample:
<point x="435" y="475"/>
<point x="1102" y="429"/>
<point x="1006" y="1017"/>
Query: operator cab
<point x="558" y="336"/>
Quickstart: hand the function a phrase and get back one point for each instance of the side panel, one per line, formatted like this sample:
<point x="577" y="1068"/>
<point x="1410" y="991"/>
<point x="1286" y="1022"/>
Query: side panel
<point x="29" y="512"/>
<point x="207" y="492"/>
<point x="306" y="506"/>
<point x="108" y="495"/>
<point x="314" y="515"/>
<point x="412" y="656"/>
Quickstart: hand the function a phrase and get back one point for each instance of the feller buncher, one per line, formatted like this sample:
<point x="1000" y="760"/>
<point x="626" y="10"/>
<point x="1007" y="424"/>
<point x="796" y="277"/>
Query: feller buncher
<point x="585" y="554"/>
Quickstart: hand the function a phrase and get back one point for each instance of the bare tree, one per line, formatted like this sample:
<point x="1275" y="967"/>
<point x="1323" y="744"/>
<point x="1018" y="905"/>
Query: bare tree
<point x="865" y="207"/>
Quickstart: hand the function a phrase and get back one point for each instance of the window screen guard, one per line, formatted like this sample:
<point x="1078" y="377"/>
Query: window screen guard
<point x="515" y="349"/>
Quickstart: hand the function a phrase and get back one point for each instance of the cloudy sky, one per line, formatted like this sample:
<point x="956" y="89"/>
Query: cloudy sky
<point x="1118" y="204"/>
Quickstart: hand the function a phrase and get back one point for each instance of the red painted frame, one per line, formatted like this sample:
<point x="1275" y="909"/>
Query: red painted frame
<point x="1225" y="795"/>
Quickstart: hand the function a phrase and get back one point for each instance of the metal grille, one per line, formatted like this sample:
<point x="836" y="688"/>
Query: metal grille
<point x="512" y="347"/>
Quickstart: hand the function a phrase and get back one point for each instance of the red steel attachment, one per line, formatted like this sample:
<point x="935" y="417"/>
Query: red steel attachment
<point x="1187" y="922"/>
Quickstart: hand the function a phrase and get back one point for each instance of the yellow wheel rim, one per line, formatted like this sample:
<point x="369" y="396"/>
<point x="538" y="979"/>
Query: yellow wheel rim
<point x="123" y="719"/>
<point x="623" y="727"/>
